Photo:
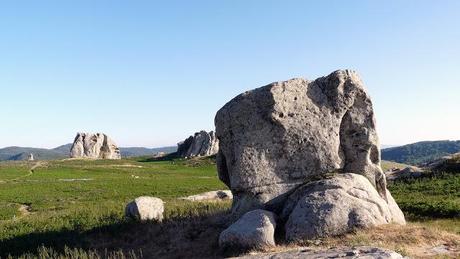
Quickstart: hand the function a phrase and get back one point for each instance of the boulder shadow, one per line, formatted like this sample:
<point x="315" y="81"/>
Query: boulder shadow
<point x="190" y="236"/>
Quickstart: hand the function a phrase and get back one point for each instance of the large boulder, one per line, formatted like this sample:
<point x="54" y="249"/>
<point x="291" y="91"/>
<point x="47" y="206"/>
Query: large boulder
<point x="296" y="134"/>
<point x="145" y="208"/>
<point x="254" y="230"/>
<point x="337" y="205"/>
<point x="200" y="144"/>
<point x="275" y="138"/>
<point x="96" y="146"/>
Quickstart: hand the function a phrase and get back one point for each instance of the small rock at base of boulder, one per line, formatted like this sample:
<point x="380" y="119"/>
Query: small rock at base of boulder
<point x="335" y="206"/>
<point x="254" y="230"/>
<point x="145" y="208"/>
<point x="211" y="196"/>
<point x="347" y="252"/>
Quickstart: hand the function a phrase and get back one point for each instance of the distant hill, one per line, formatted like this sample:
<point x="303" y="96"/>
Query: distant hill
<point x="64" y="149"/>
<point x="142" y="151"/>
<point x="22" y="153"/>
<point x="421" y="152"/>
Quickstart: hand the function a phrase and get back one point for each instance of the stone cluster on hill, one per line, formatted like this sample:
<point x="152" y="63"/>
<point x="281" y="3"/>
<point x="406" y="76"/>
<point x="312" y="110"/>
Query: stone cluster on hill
<point x="307" y="151"/>
<point x="200" y="144"/>
<point x="96" y="146"/>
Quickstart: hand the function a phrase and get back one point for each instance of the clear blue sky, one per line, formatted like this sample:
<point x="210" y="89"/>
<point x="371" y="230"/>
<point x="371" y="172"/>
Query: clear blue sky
<point x="150" y="73"/>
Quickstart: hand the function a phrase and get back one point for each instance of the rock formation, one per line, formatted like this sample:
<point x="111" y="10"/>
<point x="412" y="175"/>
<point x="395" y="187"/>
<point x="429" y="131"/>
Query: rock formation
<point x="145" y="208"/>
<point x="200" y="144"/>
<point x="449" y="163"/>
<point x="404" y="173"/>
<point x="96" y="146"/>
<point x="282" y="137"/>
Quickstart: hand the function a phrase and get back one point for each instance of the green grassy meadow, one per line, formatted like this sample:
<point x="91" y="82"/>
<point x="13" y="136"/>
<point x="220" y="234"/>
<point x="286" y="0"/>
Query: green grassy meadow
<point x="79" y="204"/>
<point x="74" y="196"/>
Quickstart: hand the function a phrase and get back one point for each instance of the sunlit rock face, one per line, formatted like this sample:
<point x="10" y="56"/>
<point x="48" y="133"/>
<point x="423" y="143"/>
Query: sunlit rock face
<point x="95" y="146"/>
<point x="200" y="144"/>
<point x="278" y="137"/>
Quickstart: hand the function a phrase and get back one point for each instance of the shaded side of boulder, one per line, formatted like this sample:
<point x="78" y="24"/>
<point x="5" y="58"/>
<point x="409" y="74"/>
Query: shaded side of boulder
<point x="254" y="230"/>
<point x="96" y="146"/>
<point x="200" y="144"/>
<point x="145" y="208"/>
<point x="335" y="206"/>
<point x="278" y="137"/>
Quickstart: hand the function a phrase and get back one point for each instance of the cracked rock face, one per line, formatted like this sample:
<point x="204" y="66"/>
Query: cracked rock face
<point x="96" y="146"/>
<point x="200" y="144"/>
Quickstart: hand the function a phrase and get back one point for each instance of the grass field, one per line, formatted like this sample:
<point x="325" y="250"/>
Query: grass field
<point x="76" y="207"/>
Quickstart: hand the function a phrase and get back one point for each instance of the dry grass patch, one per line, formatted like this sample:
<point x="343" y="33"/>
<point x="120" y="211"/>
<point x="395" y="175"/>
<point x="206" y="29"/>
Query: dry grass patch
<point x="414" y="240"/>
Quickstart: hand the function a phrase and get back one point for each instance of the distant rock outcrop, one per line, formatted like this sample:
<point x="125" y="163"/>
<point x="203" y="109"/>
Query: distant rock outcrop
<point x="450" y="164"/>
<point x="96" y="146"/>
<point x="317" y="136"/>
<point x="200" y="144"/>
<point x="404" y="173"/>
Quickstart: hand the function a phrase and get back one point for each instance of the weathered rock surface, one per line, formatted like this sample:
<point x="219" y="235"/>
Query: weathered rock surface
<point x="275" y="138"/>
<point x="212" y="195"/>
<point x="145" y="208"/>
<point x="308" y="150"/>
<point x="347" y="252"/>
<point x="255" y="229"/>
<point x="335" y="206"/>
<point x="405" y="173"/>
<point x="200" y="144"/>
<point x="96" y="146"/>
